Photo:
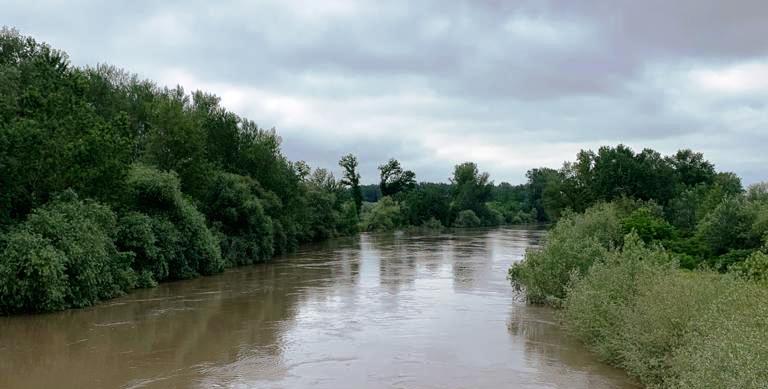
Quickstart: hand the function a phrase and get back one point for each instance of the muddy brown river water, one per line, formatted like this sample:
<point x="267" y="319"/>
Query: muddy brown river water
<point x="374" y="311"/>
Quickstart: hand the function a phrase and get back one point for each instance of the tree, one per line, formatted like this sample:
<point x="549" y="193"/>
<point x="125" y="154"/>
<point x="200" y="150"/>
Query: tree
<point x="692" y="168"/>
<point x="472" y="189"/>
<point x="352" y="179"/>
<point x="394" y="179"/>
<point x="427" y="201"/>
<point x="541" y="181"/>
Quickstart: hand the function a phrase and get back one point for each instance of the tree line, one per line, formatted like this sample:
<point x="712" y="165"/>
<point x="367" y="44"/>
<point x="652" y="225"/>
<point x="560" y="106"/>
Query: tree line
<point x="110" y="182"/>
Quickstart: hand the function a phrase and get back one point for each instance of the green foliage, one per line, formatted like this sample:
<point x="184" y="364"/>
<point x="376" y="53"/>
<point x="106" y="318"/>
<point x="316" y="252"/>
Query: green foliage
<point x="427" y="201"/>
<point x="647" y="224"/>
<point x="158" y="194"/>
<point x="32" y="274"/>
<point x="659" y="318"/>
<point x="636" y="310"/>
<point x="467" y="218"/>
<point x="569" y="249"/>
<point x="382" y="216"/>
<point x="394" y="179"/>
<point x="155" y="155"/>
<point x="63" y="256"/>
<point x="670" y="328"/>
<point x="471" y="190"/>
<point x="754" y="268"/>
<point x="153" y="241"/>
<point x="729" y="226"/>
<point x="728" y="344"/>
<point x="433" y="224"/>
<point x="352" y="179"/>
<point x="231" y="203"/>
<point x="51" y="136"/>
<point x="598" y="297"/>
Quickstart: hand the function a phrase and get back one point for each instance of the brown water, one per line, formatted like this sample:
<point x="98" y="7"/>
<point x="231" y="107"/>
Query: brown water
<point x="375" y="311"/>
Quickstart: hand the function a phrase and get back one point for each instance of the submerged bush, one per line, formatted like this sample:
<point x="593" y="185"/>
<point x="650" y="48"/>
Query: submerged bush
<point x="32" y="274"/>
<point x="433" y="224"/>
<point x="575" y="242"/>
<point x="382" y="216"/>
<point x="467" y="218"/>
<point x="63" y="256"/>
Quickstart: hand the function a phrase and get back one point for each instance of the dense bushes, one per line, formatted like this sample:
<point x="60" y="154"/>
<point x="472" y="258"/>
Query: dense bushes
<point x="32" y="274"/>
<point x="667" y="327"/>
<point x="628" y="300"/>
<point x="467" y="218"/>
<point x="727" y="346"/>
<point x="248" y="233"/>
<point x="176" y="224"/>
<point x="63" y="256"/>
<point x="571" y="247"/>
<point x="384" y="215"/>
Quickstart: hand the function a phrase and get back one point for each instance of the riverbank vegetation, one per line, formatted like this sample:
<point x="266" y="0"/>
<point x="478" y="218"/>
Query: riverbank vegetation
<point x="660" y="267"/>
<point x="110" y="182"/>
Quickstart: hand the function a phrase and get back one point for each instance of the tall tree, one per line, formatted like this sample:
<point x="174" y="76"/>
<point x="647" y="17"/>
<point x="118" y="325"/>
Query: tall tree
<point x="472" y="189"/>
<point x="352" y="179"/>
<point x="394" y="179"/>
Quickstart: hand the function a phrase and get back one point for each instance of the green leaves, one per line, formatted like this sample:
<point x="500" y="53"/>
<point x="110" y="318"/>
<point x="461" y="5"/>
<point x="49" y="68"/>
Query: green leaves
<point x="63" y="256"/>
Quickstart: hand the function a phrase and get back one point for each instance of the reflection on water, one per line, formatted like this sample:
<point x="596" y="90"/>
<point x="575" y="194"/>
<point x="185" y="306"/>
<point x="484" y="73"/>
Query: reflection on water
<point x="374" y="311"/>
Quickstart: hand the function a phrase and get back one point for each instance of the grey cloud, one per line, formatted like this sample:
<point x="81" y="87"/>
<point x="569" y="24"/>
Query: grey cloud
<point x="506" y="73"/>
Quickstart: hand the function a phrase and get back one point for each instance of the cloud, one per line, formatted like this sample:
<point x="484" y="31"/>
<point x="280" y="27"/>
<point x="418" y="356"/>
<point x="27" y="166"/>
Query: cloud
<point x="511" y="85"/>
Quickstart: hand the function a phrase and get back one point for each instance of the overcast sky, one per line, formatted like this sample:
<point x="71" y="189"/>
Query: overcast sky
<point x="511" y="85"/>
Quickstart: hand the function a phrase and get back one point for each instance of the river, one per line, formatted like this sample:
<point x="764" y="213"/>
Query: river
<point x="373" y="311"/>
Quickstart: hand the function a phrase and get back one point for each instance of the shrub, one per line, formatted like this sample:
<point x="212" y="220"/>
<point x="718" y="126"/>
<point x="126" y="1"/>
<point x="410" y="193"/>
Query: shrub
<point x="201" y="251"/>
<point x="466" y="218"/>
<point x="32" y="274"/>
<point x="657" y="322"/>
<point x="573" y="244"/>
<point x="433" y="224"/>
<point x="754" y="268"/>
<point x="348" y="221"/>
<point x="648" y="225"/>
<point x="247" y="231"/>
<point x="728" y="344"/>
<point x="178" y="226"/>
<point x="64" y="256"/>
<point x="152" y="240"/>
<point x="596" y="302"/>
<point x="384" y="215"/>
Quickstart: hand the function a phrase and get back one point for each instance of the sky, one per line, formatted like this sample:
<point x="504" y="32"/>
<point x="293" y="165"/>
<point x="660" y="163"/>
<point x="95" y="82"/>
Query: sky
<point x="510" y="85"/>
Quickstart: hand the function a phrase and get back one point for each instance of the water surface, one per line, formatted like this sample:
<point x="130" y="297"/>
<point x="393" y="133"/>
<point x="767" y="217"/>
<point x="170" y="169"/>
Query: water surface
<point x="374" y="311"/>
